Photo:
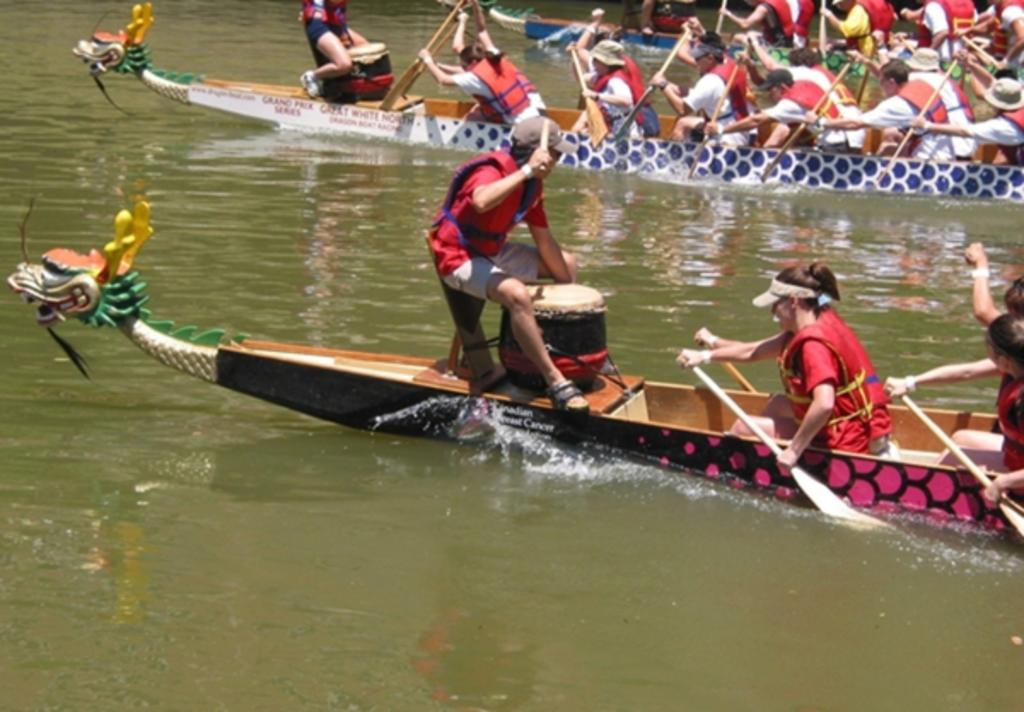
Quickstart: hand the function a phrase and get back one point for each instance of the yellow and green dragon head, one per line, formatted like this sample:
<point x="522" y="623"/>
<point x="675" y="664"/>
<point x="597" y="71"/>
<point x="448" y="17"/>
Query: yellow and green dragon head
<point x="123" y="52"/>
<point x="100" y="289"/>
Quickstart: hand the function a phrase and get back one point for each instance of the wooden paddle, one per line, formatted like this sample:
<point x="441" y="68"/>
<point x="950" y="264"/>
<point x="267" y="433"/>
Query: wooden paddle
<point x="628" y="123"/>
<point x="910" y="132"/>
<point x="799" y="130"/>
<point x="823" y="498"/>
<point x="980" y="51"/>
<point x="714" y="117"/>
<point x="1013" y="511"/>
<point x="595" y="119"/>
<point x="405" y="82"/>
<point x="721" y="17"/>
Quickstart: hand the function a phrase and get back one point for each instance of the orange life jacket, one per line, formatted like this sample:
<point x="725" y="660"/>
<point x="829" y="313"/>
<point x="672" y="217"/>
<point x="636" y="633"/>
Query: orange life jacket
<point x="510" y="89"/>
<point x="841" y="91"/>
<point x="917" y="92"/>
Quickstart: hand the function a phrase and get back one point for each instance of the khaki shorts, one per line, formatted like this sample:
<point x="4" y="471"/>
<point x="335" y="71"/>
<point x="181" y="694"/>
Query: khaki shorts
<point x="515" y="260"/>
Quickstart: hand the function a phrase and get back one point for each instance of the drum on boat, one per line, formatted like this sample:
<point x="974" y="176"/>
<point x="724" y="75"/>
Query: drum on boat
<point x="571" y="318"/>
<point x="669" y="17"/>
<point x="370" y="79"/>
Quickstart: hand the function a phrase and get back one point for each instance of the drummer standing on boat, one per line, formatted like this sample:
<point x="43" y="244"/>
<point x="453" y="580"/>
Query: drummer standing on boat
<point x="329" y="37"/>
<point x="488" y="196"/>
<point x="833" y="399"/>
<point x="866" y="26"/>
<point x="503" y="93"/>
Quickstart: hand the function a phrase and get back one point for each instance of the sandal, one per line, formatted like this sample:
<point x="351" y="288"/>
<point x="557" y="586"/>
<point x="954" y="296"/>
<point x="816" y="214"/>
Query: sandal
<point x="566" y="396"/>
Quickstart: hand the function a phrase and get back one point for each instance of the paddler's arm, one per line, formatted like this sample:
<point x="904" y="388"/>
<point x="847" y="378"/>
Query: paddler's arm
<point x="739" y="351"/>
<point x="486" y="197"/>
<point x="942" y="374"/>
<point x="920" y="123"/>
<point x="1018" y="45"/>
<point x="981" y="296"/>
<point x="840" y="124"/>
<point x="818" y="414"/>
<point x="764" y="56"/>
<point x="1002" y="483"/>
<point x="482" y="35"/>
<point x="750" y="20"/>
<point x="745" y="124"/>
<point x="459" y="41"/>
<point x="443" y="78"/>
<point x="672" y="93"/>
<point x="551" y="254"/>
<point x="609" y="98"/>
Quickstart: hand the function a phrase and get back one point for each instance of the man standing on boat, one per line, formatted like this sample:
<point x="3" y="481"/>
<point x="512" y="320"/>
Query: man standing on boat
<point x="719" y="75"/>
<point x="866" y="26"/>
<point x="329" y="37"/>
<point x="504" y="95"/>
<point x="488" y="196"/>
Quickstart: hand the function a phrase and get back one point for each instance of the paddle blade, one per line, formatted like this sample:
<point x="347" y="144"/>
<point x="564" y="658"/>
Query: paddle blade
<point x="596" y="123"/>
<point x="829" y="502"/>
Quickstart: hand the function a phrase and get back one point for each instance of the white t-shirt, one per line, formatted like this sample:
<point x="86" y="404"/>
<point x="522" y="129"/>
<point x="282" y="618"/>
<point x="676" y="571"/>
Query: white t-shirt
<point x="896" y="112"/>
<point x="788" y="111"/>
<point x="935" y="21"/>
<point x="702" y="99"/>
<point x="475" y="86"/>
<point x="964" y="147"/>
<point x="1009" y="16"/>
<point x="1000" y="131"/>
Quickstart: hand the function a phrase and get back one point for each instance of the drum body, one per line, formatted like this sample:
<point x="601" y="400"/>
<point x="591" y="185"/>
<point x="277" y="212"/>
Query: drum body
<point x="370" y="79"/>
<point x="572" y="319"/>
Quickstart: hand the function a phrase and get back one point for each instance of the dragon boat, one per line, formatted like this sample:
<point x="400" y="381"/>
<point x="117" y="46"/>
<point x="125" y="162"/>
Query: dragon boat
<point x="440" y="123"/>
<point x="677" y="427"/>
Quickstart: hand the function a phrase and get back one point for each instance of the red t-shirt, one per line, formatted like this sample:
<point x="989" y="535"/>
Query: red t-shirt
<point x="821" y="366"/>
<point x="449" y="253"/>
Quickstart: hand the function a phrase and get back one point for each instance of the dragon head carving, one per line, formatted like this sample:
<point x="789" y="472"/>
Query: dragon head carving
<point x="123" y="52"/>
<point x="99" y="288"/>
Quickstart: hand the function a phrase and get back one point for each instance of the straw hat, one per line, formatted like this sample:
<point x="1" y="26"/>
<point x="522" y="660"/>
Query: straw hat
<point x="1005" y="94"/>
<point x="924" y="59"/>
<point x="609" y="52"/>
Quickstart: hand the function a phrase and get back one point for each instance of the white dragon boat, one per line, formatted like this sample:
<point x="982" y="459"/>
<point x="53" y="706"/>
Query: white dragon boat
<point x="440" y="123"/>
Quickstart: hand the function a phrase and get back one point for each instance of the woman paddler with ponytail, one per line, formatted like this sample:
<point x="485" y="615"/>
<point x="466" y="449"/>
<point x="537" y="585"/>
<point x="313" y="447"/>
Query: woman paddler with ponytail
<point x="1002" y="451"/>
<point x="833" y="399"/>
<point x="488" y="196"/>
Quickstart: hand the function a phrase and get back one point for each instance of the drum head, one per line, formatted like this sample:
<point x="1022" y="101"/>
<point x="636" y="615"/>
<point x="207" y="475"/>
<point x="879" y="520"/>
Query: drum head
<point x="368" y="53"/>
<point x="565" y="298"/>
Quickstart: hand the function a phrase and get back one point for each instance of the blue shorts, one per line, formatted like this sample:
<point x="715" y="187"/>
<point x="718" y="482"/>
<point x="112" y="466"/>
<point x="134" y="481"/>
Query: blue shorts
<point x="315" y="29"/>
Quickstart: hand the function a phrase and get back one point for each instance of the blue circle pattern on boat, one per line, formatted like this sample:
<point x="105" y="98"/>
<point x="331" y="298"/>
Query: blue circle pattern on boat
<point x="670" y="161"/>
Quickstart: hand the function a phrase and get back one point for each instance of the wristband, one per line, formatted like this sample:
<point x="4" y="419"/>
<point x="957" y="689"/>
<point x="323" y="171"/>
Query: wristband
<point x="527" y="170"/>
<point x="711" y="341"/>
<point x="980" y="272"/>
<point x="911" y="384"/>
<point x="705" y="356"/>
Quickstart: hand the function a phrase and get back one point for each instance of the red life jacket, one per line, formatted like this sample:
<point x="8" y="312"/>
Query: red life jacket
<point x="481" y="233"/>
<point x="850" y="427"/>
<point x="802" y="24"/>
<point x="959" y="16"/>
<point x="740" y="97"/>
<point x="1014" y="154"/>
<point x="510" y="89"/>
<point x="1013" y="431"/>
<point x="881" y="422"/>
<point x="783" y="34"/>
<point x="807" y="94"/>
<point x="917" y="92"/>
<point x="331" y="12"/>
